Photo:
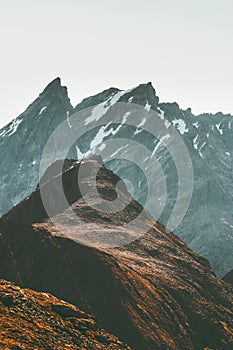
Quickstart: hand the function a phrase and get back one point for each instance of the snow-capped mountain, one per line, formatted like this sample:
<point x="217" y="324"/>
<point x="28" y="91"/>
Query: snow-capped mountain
<point x="208" y="224"/>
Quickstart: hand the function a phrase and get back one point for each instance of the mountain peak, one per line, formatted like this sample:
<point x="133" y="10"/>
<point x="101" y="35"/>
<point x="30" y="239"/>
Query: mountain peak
<point x="142" y="94"/>
<point x="54" y="88"/>
<point x="55" y="83"/>
<point x="147" y="87"/>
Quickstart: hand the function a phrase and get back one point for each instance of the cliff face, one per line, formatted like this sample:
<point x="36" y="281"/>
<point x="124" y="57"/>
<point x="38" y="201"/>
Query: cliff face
<point x="153" y="292"/>
<point x="31" y="320"/>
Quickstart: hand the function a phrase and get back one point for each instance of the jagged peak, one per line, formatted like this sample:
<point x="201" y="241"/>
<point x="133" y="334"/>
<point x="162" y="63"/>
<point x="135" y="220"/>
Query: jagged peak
<point x="55" y="88"/>
<point x="55" y="83"/>
<point x="142" y="94"/>
<point x="147" y="87"/>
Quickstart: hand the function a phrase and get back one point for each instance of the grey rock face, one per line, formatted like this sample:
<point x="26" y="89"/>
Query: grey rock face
<point x="208" y="224"/>
<point x="22" y="142"/>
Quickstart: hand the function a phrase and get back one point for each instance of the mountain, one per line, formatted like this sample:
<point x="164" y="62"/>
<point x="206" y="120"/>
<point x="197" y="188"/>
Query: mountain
<point x="138" y="280"/>
<point x="31" y="320"/>
<point x="207" y="225"/>
<point x="22" y="142"/>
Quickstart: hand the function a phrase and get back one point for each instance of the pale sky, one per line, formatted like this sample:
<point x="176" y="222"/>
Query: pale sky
<point x="185" y="47"/>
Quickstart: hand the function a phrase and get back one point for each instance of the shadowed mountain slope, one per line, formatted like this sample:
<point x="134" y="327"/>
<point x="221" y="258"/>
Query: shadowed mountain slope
<point x="153" y="292"/>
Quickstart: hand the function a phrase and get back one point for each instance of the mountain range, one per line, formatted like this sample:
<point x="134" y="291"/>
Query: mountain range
<point x="207" y="225"/>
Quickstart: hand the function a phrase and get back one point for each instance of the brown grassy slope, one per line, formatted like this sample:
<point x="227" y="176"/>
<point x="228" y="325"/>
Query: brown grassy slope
<point x="39" y="321"/>
<point x="154" y="293"/>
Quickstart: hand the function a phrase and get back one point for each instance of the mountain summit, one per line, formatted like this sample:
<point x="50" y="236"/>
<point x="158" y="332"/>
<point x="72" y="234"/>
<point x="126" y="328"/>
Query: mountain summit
<point x="54" y="88"/>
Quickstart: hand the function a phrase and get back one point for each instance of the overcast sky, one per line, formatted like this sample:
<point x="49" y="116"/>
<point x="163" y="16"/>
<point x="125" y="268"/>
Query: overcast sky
<point x="185" y="47"/>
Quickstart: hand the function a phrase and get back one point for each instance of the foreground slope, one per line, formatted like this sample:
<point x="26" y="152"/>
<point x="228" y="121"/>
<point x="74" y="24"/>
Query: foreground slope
<point x="154" y="292"/>
<point x="32" y="320"/>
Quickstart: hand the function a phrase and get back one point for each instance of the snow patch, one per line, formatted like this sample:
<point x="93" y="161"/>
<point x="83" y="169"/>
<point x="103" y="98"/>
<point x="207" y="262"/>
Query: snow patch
<point x="68" y="119"/>
<point x="195" y="144"/>
<point x="42" y="110"/>
<point x="161" y="141"/>
<point x="127" y="91"/>
<point x="218" y="128"/>
<point x="147" y="107"/>
<point x="102" y="146"/>
<point x="226" y="223"/>
<point x="12" y="128"/>
<point x="201" y="149"/>
<point x="102" y="133"/>
<point x="101" y="109"/>
<point x="180" y="125"/>
<point x="125" y="116"/>
<point x="167" y="124"/>
<point x="118" y="150"/>
<point x="80" y="155"/>
<point x="3" y="133"/>
<point x="202" y="146"/>
<point x="138" y="130"/>
<point x="161" y="114"/>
